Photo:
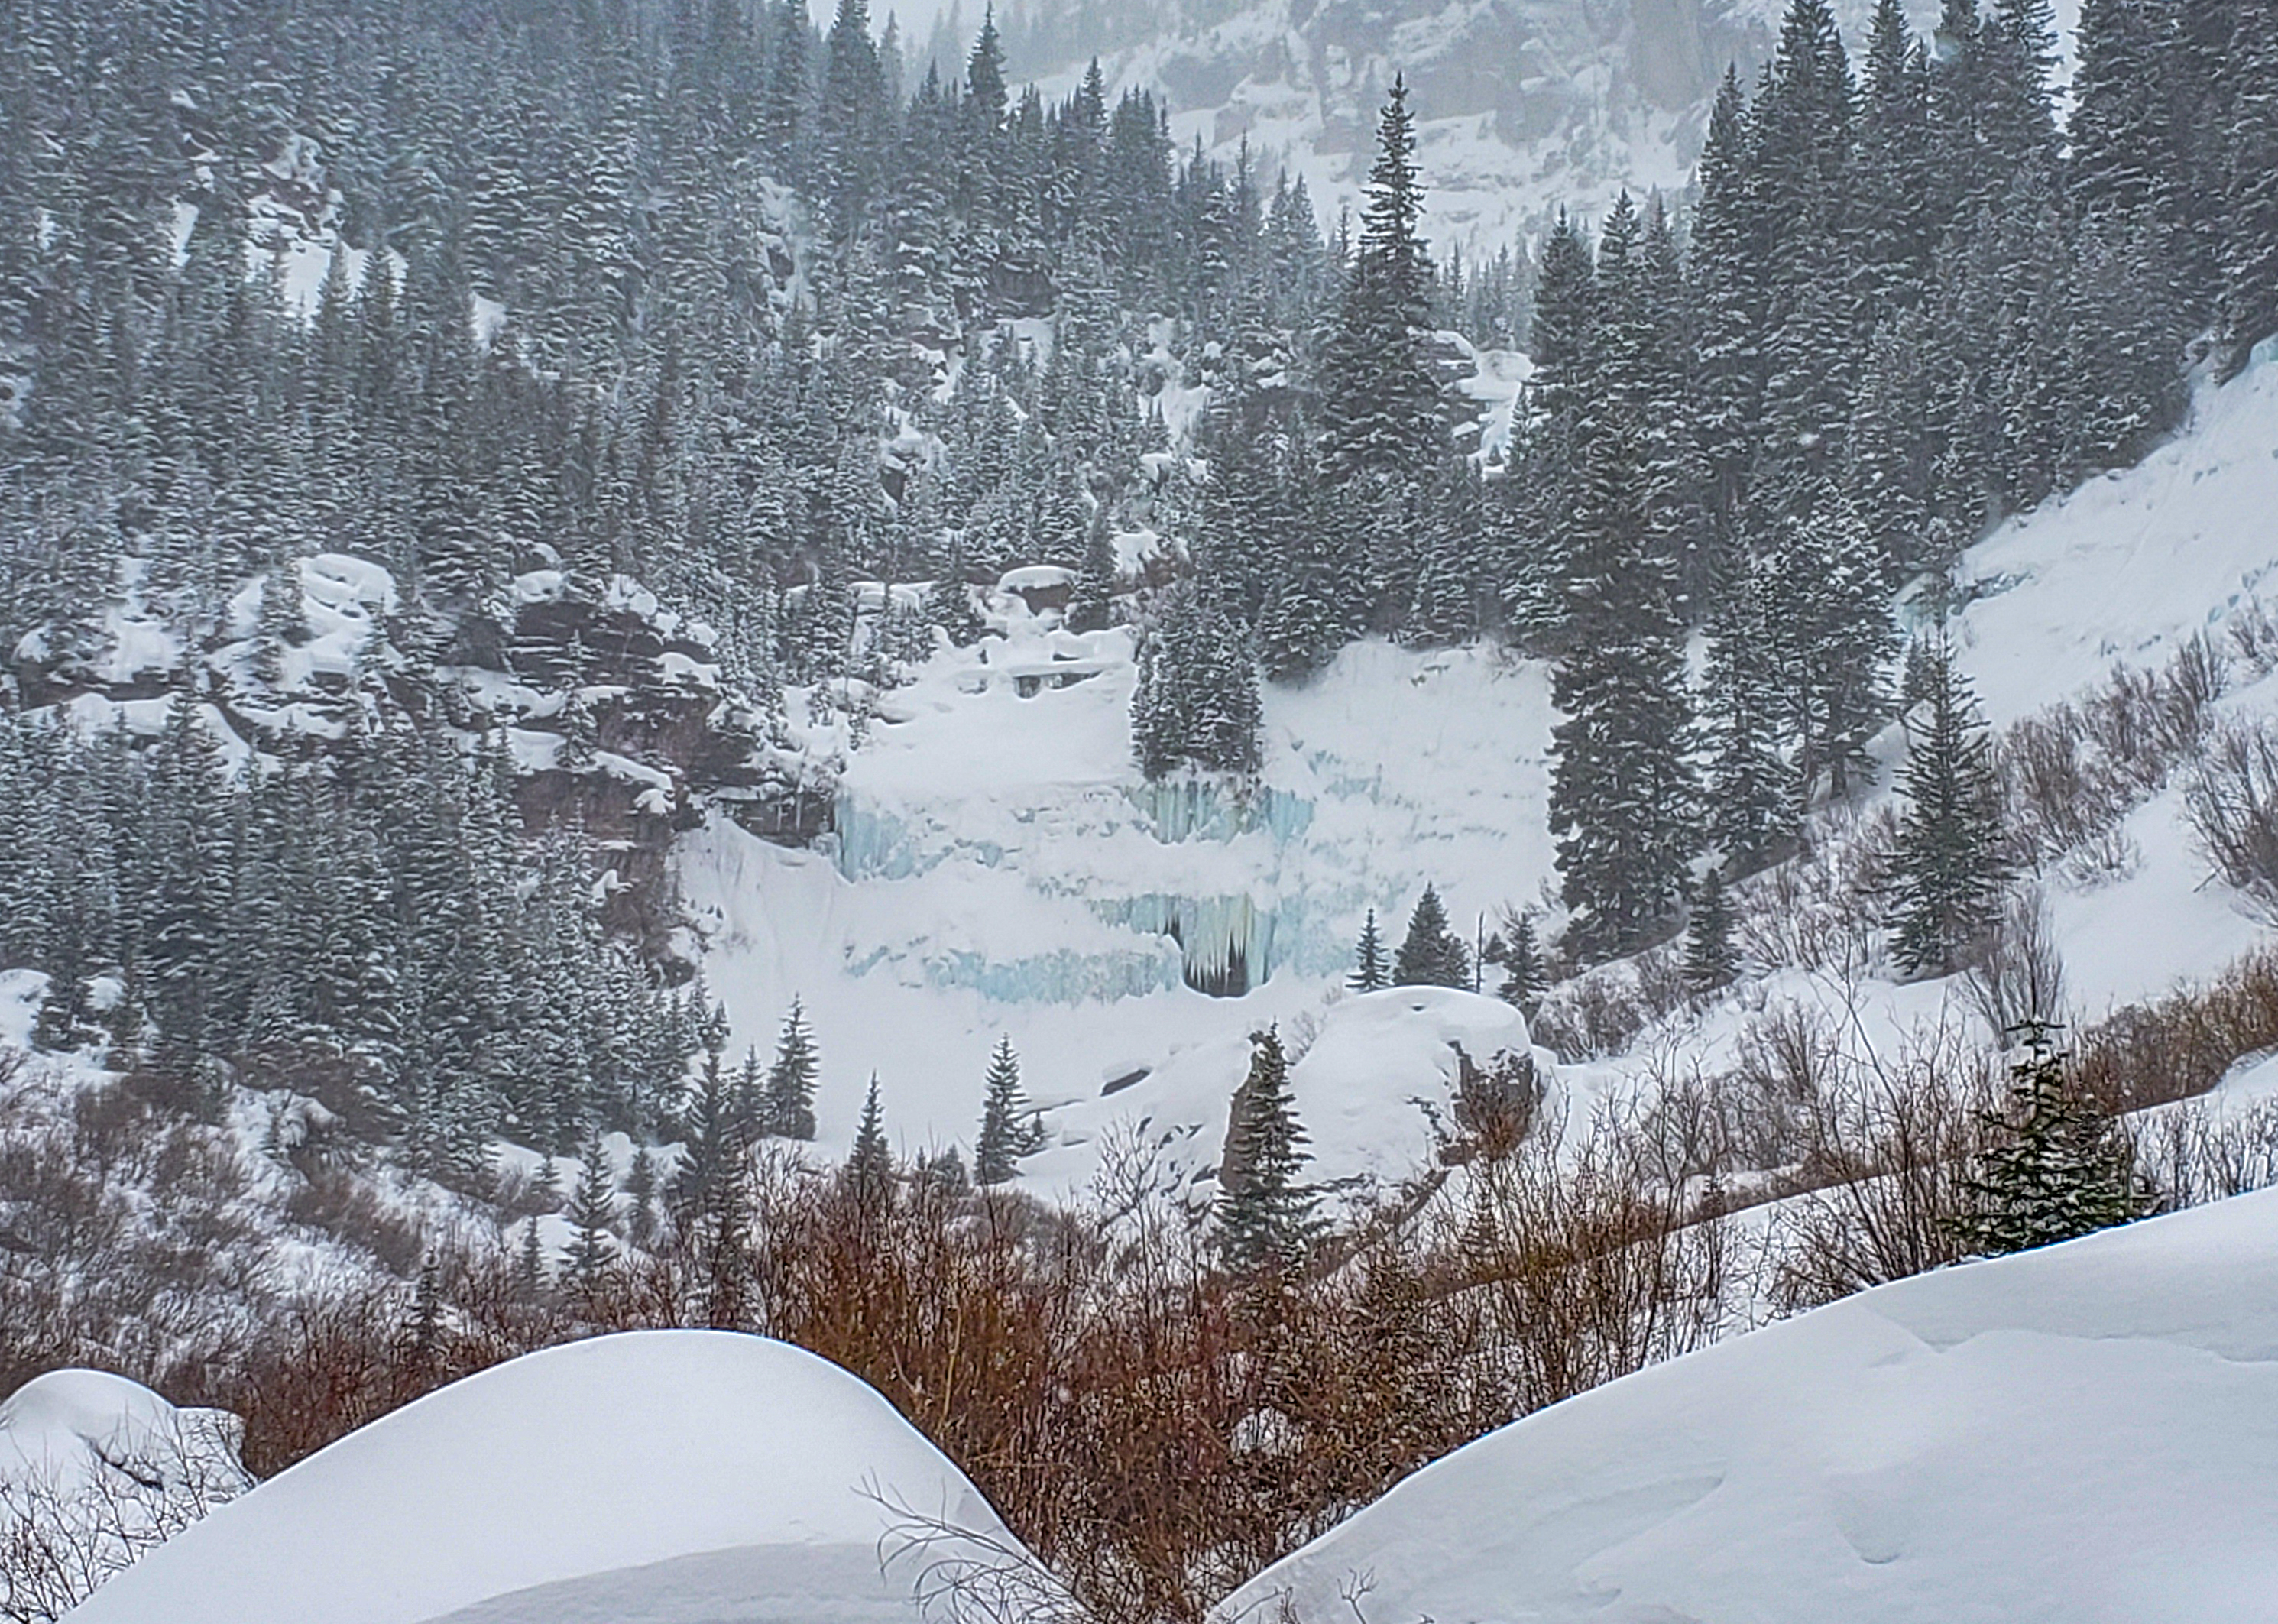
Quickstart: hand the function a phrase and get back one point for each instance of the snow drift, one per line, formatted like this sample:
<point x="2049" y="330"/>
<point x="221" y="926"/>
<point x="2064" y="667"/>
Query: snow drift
<point x="744" y="1472"/>
<point x="2082" y="1434"/>
<point x="106" y="1468"/>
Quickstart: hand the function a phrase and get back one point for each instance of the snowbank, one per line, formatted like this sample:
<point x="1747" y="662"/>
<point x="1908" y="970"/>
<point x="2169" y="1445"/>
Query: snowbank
<point x="2084" y="1433"/>
<point x="581" y="1461"/>
<point x="1362" y="1081"/>
<point x="109" y="1467"/>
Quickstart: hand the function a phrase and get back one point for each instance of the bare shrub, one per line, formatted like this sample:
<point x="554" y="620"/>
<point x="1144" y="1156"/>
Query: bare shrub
<point x="2232" y="803"/>
<point x="1589" y="1267"/>
<point x="1822" y="910"/>
<point x="2193" y="1155"/>
<point x="348" y="1208"/>
<point x="1889" y="1142"/>
<point x="2015" y="971"/>
<point x="2254" y="635"/>
<point x="65" y="1527"/>
<point x="1495" y="1106"/>
<point x="2180" y="1047"/>
<point x="1592" y="1015"/>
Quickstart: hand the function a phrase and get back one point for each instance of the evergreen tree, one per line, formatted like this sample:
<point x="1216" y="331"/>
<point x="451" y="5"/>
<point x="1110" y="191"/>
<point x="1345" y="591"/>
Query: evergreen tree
<point x="1526" y="974"/>
<point x="1623" y="793"/>
<point x="1949" y="862"/>
<point x="1266" y="1215"/>
<point x="1095" y="582"/>
<point x="1431" y="955"/>
<point x="592" y="1217"/>
<point x="870" y="1163"/>
<point x="1005" y="1138"/>
<point x="2057" y="1167"/>
<point x="1371" y="971"/>
<point x="2250" y="216"/>
<point x="1383" y="428"/>
<point x="1710" y="959"/>
<point x="788" y="1111"/>
<point x="1196" y="700"/>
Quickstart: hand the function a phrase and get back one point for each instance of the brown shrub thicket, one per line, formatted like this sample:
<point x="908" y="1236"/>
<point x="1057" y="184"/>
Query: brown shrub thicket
<point x="1157" y="1429"/>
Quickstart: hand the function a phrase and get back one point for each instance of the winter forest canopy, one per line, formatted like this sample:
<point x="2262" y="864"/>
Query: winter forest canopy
<point x="670" y="358"/>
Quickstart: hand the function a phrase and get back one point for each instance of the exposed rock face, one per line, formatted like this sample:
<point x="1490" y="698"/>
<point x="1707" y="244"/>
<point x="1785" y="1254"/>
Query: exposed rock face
<point x="1523" y="104"/>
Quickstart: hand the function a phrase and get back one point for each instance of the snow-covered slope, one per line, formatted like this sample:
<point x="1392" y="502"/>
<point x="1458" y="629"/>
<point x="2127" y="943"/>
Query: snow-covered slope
<point x="1000" y="866"/>
<point x="107" y="1468"/>
<point x="2127" y="568"/>
<point x="779" y="1471"/>
<point x="2076" y="1435"/>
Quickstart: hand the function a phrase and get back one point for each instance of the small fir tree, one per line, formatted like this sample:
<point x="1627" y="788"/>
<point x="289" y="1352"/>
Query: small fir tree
<point x="1949" y="862"/>
<point x="2058" y="1167"/>
<point x="870" y="1164"/>
<point x="1095" y="580"/>
<point x="1525" y="968"/>
<point x="1371" y="971"/>
<point x="1005" y="1138"/>
<point x="1433" y="955"/>
<point x="592" y="1216"/>
<point x="790" y="1109"/>
<point x="1267" y="1216"/>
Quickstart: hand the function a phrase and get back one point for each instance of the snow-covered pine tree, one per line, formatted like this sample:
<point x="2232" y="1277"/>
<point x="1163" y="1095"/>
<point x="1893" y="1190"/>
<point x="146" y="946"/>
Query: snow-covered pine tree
<point x="1095" y="582"/>
<point x="1623" y="798"/>
<point x="1371" y="970"/>
<point x="789" y="1111"/>
<point x="1382" y="419"/>
<point x="1267" y="1216"/>
<point x="1752" y="800"/>
<point x="1004" y="1137"/>
<point x="2057" y="1167"/>
<point x="1431" y="954"/>
<point x="2249" y="229"/>
<point x="1525" y="968"/>
<point x="1949" y="864"/>
<point x="593" y="1220"/>
<point x="1196" y="701"/>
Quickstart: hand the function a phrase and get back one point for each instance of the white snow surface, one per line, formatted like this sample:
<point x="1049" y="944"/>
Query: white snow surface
<point x="116" y="1457"/>
<point x="2083" y="1434"/>
<point x="2124" y="569"/>
<point x="557" y="1469"/>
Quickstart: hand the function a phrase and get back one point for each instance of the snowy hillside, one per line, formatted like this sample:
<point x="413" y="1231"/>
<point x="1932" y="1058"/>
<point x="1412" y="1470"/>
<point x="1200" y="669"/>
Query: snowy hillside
<point x="2084" y="1433"/>
<point x="1001" y="867"/>
<point x="728" y="1470"/>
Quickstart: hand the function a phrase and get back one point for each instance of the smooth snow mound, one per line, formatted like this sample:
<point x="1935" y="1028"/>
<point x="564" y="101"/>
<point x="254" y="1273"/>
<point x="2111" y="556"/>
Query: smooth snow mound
<point x="113" y="1452"/>
<point x="2081" y="1434"/>
<point x="616" y="1453"/>
<point x="1369" y="1079"/>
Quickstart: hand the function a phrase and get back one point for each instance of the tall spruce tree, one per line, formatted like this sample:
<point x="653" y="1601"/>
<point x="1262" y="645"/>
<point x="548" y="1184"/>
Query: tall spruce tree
<point x="1371" y="971"/>
<point x="869" y="1169"/>
<point x="1004" y="1137"/>
<point x="1267" y="1216"/>
<point x="1949" y="861"/>
<point x="1624" y="799"/>
<point x="788" y="1111"/>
